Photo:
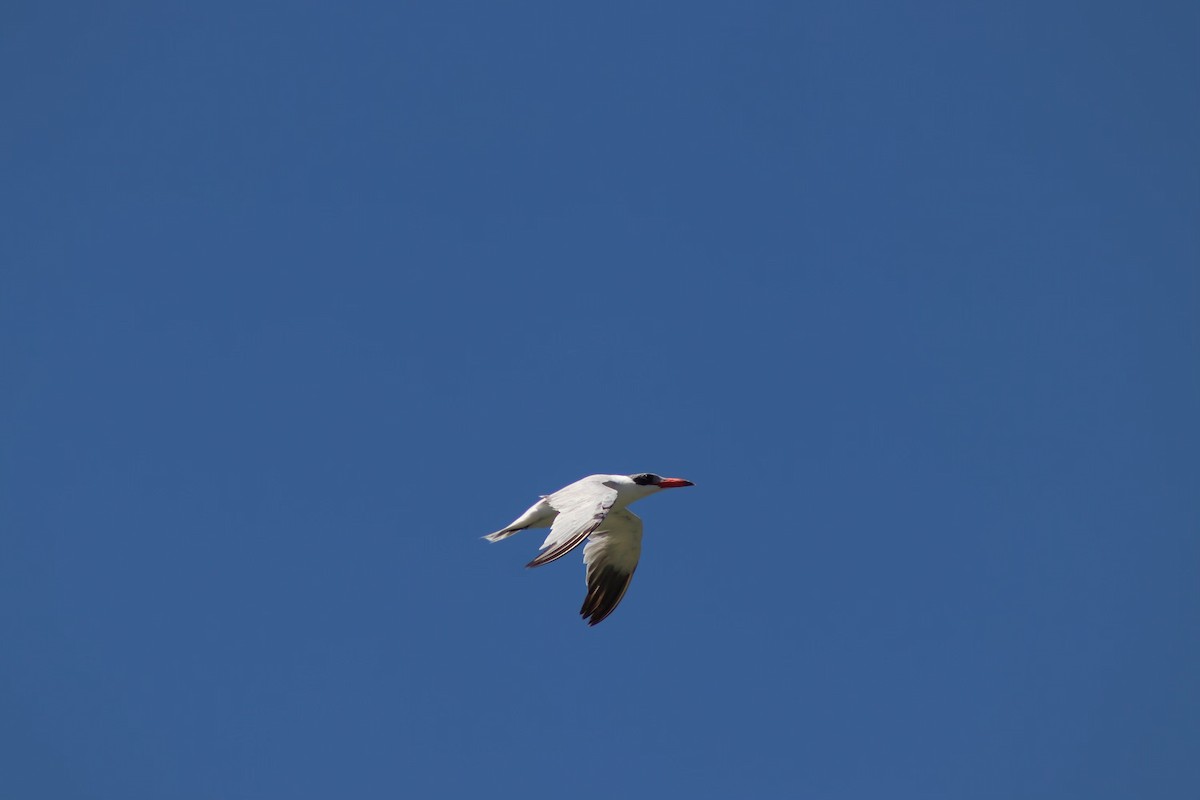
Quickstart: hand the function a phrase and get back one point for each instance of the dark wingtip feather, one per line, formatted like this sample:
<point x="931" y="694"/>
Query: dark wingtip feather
<point x="555" y="553"/>
<point x="604" y="594"/>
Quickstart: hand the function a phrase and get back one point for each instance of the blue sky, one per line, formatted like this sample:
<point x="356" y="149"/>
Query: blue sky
<point x="299" y="300"/>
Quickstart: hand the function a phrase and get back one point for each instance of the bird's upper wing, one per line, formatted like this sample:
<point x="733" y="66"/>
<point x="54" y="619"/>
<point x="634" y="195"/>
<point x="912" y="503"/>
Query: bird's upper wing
<point x="611" y="557"/>
<point x="581" y="508"/>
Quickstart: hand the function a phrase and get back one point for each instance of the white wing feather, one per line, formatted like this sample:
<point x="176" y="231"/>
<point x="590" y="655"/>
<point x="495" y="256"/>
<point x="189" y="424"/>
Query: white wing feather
<point x="611" y="556"/>
<point x="582" y="507"/>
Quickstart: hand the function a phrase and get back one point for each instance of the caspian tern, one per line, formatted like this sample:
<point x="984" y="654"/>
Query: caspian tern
<point x="594" y="508"/>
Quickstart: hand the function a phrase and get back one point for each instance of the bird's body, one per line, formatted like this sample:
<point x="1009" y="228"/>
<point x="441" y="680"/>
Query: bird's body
<point x="594" y="508"/>
<point x="543" y="513"/>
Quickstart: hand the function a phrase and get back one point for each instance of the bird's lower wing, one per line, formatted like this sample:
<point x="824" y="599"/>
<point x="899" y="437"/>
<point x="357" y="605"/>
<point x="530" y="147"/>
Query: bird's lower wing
<point x="611" y="556"/>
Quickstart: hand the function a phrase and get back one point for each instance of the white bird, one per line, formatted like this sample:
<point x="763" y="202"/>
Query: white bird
<point x="594" y="508"/>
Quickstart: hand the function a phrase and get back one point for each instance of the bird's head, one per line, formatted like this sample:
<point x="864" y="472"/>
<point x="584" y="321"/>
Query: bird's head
<point x="654" y="482"/>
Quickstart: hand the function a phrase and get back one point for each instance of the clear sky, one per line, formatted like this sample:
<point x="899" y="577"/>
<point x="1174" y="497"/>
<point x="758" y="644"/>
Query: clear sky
<point x="299" y="300"/>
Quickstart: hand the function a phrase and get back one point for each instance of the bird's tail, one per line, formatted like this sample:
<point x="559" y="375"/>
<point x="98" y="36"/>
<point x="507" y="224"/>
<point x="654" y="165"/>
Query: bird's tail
<point x="503" y="534"/>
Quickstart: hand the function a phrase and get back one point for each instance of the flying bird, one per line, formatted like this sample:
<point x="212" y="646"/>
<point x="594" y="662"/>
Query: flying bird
<point x="594" y="508"/>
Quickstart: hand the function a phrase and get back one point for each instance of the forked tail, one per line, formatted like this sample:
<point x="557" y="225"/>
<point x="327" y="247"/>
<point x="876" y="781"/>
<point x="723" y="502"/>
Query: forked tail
<point x="502" y="534"/>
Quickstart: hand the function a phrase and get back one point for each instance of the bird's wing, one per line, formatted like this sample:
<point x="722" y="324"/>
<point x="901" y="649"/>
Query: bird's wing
<point x="581" y="508"/>
<point x="611" y="557"/>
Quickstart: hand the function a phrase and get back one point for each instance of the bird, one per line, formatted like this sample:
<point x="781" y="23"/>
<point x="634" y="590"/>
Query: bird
<point x="594" y="508"/>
